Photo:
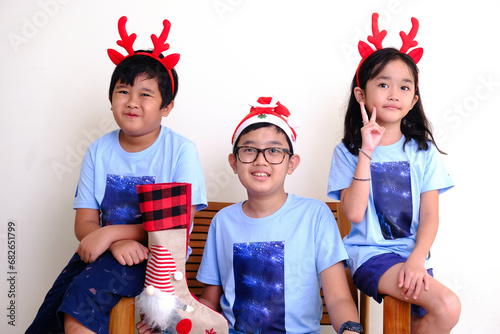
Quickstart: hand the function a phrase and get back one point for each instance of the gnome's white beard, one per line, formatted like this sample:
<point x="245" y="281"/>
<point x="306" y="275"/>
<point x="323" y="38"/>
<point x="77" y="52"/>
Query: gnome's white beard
<point x="159" y="308"/>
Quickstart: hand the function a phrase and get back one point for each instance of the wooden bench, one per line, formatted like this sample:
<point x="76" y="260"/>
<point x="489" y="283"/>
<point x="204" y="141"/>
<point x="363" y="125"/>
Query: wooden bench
<point x="396" y="312"/>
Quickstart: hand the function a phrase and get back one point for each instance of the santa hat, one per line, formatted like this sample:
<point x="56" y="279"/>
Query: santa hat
<point x="268" y="110"/>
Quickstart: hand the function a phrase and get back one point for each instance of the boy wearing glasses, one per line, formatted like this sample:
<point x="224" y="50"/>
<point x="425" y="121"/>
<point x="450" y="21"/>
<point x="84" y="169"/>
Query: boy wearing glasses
<point x="267" y="257"/>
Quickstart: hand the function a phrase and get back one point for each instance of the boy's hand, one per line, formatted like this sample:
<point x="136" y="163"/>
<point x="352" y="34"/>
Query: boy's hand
<point x="93" y="245"/>
<point x="413" y="277"/>
<point x="143" y="328"/>
<point x="129" y="252"/>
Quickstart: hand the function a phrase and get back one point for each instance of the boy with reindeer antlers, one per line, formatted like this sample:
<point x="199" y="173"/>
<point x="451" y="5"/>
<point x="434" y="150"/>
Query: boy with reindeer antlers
<point x="110" y="261"/>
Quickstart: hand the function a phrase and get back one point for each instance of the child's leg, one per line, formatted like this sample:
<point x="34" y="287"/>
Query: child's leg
<point x="93" y="293"/>
<point x="72" y="326"/>
<point x="46" y="320"/>
<point x="442" y="305"/>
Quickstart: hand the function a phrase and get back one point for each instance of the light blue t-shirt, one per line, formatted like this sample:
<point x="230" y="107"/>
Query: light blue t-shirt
<point x="398" y="178"/>
<point x="269" y="267"/>
<point x="109" y="175"/>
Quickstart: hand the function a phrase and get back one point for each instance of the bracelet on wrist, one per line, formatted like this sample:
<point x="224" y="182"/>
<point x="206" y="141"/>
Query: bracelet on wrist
<point x="369" y="156"/>
<point x="351" y="326"/>
<point x="359" y="179"/>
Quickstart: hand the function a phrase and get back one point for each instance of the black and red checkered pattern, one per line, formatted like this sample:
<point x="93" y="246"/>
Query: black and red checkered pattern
<point x="165" y="205"/>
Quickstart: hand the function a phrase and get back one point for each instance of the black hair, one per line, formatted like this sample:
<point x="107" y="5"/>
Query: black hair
<point x="134" y="66"/>
<point x="414" y="125"/>
<point x="257" y="126"/>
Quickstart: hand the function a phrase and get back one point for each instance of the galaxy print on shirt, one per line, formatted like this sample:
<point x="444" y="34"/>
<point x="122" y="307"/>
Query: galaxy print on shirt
<point x="259" y="273"/>
<point x="391" y="183"/>
<point x="120" y="204"/>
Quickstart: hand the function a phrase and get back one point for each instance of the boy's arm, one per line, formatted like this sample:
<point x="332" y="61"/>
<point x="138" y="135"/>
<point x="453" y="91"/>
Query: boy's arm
<point x="193" y="211"/>
<point x="413" y="276"/>
<point x="338" y="299"/>
<point x="210" y="296"/>
<point x="86" y="222"/>
<point x="95" y="240"/>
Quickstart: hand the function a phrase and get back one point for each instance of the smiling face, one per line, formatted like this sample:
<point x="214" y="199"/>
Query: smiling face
<point x="137" y="108"/>
<point x="392" y="92"/>
<point x="261" y="178"/>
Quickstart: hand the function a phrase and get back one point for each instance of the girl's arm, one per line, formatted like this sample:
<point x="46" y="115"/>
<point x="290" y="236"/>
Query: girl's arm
<point x="354" y="199"/>
<point x="338" y="299"/>
<point x="413" y="276"/>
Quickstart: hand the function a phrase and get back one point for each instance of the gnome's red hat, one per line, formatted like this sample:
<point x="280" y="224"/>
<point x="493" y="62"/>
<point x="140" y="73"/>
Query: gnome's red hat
<point x="268" y="110"/>
<point x="160" y="266"/>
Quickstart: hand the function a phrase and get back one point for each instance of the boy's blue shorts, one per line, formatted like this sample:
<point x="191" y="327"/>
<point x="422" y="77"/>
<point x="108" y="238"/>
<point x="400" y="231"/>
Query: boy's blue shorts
<point x="88" y="292"/>
<point x="367" y="277"/>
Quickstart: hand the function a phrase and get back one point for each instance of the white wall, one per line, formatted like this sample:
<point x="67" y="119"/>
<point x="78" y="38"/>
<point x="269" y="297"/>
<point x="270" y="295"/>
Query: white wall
<point x="55" y="74"/>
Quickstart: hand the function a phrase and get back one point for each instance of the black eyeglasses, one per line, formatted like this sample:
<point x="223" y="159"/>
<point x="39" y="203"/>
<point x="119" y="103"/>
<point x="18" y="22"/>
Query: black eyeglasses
<point x="273" y="155"/>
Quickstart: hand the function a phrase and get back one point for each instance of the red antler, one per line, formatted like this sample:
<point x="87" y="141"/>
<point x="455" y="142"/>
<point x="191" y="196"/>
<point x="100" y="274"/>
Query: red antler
<point x="159" y="46"/>
<point x="409" y="41"/>
<point x="378" y="36"/>
<point x="376" y="39"/>
<point x="127" y="42"/>
<point x="159" y="42"/>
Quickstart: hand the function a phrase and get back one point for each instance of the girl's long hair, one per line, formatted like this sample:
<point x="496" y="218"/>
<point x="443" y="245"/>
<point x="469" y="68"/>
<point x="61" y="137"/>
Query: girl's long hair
<point x="413" y="126"/>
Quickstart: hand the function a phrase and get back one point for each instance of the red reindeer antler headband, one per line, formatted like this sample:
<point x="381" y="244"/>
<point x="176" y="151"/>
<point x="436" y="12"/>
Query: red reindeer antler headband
<point x="378" y="36"/>
<point x="127" y="42"/>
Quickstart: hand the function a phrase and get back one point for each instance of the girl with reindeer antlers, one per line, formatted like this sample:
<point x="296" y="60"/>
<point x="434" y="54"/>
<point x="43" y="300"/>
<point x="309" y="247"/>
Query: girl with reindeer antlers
<point x="388" y="174"/>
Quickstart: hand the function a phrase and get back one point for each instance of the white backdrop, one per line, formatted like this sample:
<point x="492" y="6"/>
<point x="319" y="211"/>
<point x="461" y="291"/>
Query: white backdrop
<point x="55" y="74"/>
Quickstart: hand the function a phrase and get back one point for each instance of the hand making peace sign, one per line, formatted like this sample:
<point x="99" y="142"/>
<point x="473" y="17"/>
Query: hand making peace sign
<point x="371" y="132"/>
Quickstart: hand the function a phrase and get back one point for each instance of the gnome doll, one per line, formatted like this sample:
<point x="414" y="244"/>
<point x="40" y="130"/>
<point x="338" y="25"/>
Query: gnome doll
<point x="166" y="304"/>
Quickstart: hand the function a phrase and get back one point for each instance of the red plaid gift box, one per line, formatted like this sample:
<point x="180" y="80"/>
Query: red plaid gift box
<point x="165" y="205"/>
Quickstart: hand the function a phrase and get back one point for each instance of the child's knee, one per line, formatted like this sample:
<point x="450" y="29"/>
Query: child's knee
<point x="454" y="307"/>
<point x="447" y="308"/>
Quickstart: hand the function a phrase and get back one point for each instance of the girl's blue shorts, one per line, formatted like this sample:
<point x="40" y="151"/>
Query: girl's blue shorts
<point x="367" y="277"/>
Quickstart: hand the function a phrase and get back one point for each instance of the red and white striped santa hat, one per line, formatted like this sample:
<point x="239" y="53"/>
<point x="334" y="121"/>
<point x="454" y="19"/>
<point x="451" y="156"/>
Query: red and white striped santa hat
<point x="160" y="266"/>
<point x="268" y="110"/>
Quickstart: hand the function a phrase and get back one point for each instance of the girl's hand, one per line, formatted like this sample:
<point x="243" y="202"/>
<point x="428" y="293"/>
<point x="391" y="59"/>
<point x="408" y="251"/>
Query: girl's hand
<point x="129" y="252"/>
<point x="413" y="277"/>
<point x="371" y="132"/>
<point x="93" y="245"/>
